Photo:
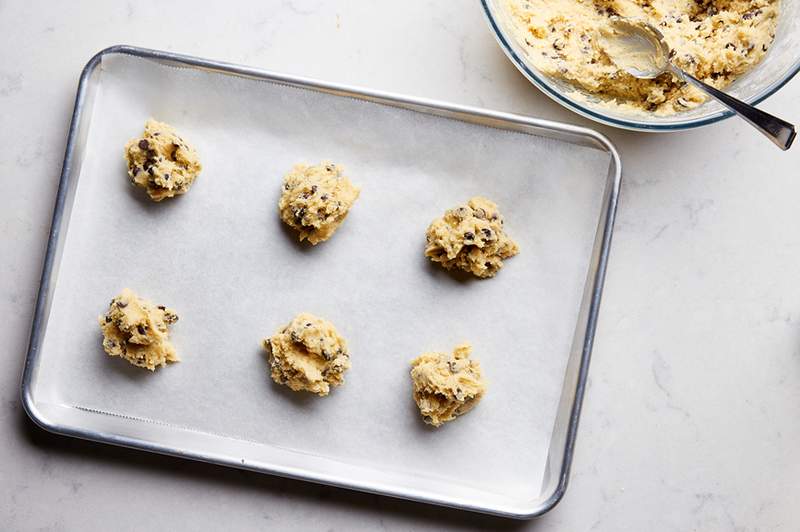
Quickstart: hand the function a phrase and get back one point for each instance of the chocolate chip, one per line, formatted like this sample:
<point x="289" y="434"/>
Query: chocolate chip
<point x="140" y="328"/>
<point x="487" y="232"/>
<point x="313" y="189"/>
<point x="308" y="324"/>
<point x="143" y="144"/>
<point x="108" y="319"/>
<point x="151" y="171"/>
<point x="136" y="170"/>
<point x="166" y="177"/>
<point x="487" y="264"/>
<point x="469" y="235"/>
<point x="162" y="307"/>
<point x="324" y="197"/>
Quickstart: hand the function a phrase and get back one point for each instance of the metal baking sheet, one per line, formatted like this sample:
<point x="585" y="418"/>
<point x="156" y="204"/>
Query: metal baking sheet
<point x="222" y="259"/>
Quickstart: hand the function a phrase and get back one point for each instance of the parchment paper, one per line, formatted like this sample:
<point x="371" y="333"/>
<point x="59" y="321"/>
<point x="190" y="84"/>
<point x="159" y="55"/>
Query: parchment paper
<point x="221" y="257"/>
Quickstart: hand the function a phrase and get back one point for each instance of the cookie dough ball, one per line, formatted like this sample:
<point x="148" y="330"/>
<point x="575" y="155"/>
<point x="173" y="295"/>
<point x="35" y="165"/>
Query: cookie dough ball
<point x="471" y="238"/>
<point x="316" y="200"/>
<point x="446" y="386"/>
<point x="161" y="162"/>
<point x="137" y="331"/>
<point x="308" y="354"/>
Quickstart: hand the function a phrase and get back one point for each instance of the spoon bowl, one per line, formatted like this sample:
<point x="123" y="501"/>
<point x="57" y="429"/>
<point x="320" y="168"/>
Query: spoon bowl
<point x="637" y="47"/>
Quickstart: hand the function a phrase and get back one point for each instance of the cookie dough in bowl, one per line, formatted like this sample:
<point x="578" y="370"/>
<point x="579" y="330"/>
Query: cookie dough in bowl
<point x="138" y="331"/>
<point x="308" y="354"/>
<point x="316" y="199"/>
<point x="715" y="40"/>
<point x="778" y="65"/>
<point x="446" y="386"/>
<point x="161" y="162"/>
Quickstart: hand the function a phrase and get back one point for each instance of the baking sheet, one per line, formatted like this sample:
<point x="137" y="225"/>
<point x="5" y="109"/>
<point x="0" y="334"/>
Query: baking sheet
<point x="222" y="259"/>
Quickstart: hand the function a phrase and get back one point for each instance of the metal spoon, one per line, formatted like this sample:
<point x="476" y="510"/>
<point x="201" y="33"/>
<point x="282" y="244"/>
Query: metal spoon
<point x="640" y="49"/>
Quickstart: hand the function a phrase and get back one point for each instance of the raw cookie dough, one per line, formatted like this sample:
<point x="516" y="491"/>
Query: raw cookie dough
<point x="161" y="162"/>
<point x="714" y="40"/>
<point x="316" y="200"/>
<point x="446" y="386"/>
<point x="470" y="237"/>
<point x="137" y="331"/>
<point x="308" y="354"/>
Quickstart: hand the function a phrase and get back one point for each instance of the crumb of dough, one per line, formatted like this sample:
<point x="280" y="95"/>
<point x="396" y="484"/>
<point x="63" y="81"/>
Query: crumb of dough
<point x="716" y="41"/>
<point x="446" y="386"/>
<point x="316" y="199"/>
<point x="161" y="162"/>
<point x="308" y="354"/>
<point x="138" y="331"/>
<point x="471" y="238"/>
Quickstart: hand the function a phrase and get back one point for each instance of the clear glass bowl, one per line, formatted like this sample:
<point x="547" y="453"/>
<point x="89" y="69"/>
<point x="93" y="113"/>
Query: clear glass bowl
<point x="781" y="63"/>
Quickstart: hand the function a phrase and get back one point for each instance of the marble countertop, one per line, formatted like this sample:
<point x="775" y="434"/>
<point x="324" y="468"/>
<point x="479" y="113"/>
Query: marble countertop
<point x="690" y="418"/>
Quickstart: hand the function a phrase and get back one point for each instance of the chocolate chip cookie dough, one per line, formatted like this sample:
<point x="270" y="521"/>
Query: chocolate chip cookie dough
<point x="161" y="162"/>
<point x="446" y="386"/>
<point x="471" y="238"/>
<point x="308" y="354"/>
<point x="715" y="40"/>
<point x="316" y="200"/>
<point x="136" y="330"/>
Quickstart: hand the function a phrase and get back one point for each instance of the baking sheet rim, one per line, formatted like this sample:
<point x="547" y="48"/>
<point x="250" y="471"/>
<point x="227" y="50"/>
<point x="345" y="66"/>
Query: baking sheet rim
<point x="589" y="305"/>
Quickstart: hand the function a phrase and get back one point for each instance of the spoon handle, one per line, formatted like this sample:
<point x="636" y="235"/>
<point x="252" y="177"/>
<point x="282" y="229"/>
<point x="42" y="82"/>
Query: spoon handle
<point x="780" y="132"/>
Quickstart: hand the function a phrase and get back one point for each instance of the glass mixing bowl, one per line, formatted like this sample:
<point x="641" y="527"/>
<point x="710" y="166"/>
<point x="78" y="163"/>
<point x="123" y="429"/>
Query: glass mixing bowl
<point x="781" y="63"/>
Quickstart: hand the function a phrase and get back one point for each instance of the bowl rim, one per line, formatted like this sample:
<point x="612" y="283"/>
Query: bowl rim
<point x="540" y="81"/>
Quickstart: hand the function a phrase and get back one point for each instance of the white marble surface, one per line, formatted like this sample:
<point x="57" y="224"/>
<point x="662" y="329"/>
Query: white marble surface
<point x="690" y="421"/>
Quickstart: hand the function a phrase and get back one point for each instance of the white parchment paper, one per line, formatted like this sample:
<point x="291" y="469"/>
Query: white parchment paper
<point x="221" y="257"/>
